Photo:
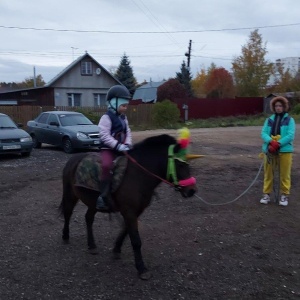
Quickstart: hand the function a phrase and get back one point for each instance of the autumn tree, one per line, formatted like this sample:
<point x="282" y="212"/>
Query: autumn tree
<point x="198" y="84"/>
<point x="219" y="84"/>
<point x="125" y="75"/>
<point x="251" y="71"/>
<point x="185" y="77"/>
<point x="171" y="89"/>
<point x="284" y="80"/>
<point x="211" y="68"/>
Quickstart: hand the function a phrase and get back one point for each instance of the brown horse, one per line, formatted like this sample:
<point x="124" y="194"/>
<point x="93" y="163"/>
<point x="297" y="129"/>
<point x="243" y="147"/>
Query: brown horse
<point x="150" y="162"/>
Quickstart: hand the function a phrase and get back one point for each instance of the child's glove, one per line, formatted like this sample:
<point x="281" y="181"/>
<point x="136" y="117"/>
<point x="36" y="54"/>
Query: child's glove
<point x="122" y="147"/>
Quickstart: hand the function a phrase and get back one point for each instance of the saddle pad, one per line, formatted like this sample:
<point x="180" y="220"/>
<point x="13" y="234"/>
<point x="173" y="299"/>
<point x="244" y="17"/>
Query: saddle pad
<point x="89" y="170"/>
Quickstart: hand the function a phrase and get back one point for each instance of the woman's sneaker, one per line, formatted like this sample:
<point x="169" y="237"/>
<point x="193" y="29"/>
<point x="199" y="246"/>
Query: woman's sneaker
<point x="284" y="200"/>
<point x="265" y="199"/>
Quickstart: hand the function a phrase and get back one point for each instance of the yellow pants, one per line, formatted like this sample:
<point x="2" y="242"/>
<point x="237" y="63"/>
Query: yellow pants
<point x="283" y="163"/>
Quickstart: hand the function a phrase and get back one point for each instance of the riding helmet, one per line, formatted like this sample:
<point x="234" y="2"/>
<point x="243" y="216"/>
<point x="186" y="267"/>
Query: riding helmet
<point x="118" y="91"/>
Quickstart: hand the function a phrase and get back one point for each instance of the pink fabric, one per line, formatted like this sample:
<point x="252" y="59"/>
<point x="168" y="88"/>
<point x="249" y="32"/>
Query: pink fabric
<point x="187" y="182"/>
<point x="105" y="136"/>
<point x="107" y="157"/>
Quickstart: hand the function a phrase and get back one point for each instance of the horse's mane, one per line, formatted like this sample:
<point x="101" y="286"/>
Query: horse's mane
<point x="156" y="142"/>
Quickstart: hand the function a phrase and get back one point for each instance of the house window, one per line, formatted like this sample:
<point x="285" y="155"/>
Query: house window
<point x="100" y="100"/>
<point x="74" y="99"/>
<point x="86" y="68"/>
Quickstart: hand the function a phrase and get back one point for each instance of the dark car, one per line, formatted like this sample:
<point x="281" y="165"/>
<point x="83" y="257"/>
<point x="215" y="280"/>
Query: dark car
<point x="66" y="129"/>
<point x="12" y="138"/>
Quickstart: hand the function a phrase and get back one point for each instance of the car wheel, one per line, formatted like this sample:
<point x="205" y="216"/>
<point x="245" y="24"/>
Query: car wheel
<point x="25" y="154"/>
<point x="67" y="146"/>
<point x="36" y="143"/>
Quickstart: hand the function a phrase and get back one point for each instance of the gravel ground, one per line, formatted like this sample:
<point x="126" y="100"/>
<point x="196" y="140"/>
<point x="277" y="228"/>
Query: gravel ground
<point x="195" y="250"/>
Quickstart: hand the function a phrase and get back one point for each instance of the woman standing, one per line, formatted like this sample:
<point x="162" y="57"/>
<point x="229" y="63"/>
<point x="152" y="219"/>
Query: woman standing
<point x="278" y="134"/>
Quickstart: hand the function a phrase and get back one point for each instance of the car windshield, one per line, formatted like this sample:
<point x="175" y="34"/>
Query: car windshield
<point x="6" y="122"/>
<point x="73" y="120"/>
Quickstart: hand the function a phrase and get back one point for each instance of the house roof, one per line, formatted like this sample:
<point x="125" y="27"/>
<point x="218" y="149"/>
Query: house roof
<point x="74" y="63"/>
<point x="147" y="92"/>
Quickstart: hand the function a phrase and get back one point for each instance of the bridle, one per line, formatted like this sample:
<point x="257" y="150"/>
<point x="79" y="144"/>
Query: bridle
<point x="171" y="171"/>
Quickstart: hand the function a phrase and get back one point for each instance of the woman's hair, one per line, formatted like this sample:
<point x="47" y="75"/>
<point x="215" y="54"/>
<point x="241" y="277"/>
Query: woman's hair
<point x="282" y="100"/>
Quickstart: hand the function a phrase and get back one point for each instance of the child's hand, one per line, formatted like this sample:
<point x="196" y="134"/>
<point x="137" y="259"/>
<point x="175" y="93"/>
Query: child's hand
<point x="122" y="147"/>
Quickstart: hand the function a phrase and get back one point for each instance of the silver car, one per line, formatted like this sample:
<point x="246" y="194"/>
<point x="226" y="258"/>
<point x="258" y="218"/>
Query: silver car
<point x="12" y="138"/>
<point x="66" y="129"/>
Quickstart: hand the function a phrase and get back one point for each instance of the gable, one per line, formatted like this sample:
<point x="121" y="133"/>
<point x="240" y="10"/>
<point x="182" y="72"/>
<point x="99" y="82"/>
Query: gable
<point x="84" y="71"/>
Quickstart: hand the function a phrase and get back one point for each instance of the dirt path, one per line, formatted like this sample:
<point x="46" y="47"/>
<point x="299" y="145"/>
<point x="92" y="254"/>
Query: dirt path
<point x="243" y="250"/>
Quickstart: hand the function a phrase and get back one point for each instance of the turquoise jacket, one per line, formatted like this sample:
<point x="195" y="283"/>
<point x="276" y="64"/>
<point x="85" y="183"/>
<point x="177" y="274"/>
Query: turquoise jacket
<point x="287" y="133"/>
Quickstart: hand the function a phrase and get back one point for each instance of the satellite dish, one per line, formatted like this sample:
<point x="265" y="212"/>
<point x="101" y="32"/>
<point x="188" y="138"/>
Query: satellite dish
<point x="98" y="71"/>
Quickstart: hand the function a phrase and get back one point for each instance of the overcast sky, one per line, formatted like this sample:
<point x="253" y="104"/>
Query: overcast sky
<point x="154" y="34"/>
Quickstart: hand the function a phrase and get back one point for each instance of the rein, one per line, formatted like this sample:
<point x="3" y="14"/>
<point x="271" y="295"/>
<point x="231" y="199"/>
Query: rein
<point x="147" y="171"/>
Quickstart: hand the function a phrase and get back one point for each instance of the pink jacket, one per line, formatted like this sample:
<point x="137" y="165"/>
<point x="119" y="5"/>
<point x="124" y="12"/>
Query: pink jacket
<point x="105" y="132"/>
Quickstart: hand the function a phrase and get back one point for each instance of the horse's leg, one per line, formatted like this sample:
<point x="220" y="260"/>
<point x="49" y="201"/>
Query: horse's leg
<point x="89" y="220"/>
<point x="132" y="227"/>
<point x="119" y="242"/>
<point x="68" y="203"/>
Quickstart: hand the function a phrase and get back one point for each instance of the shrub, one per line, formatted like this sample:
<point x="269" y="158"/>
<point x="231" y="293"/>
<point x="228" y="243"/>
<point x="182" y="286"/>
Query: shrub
<point x="296" y="109"/>
<point x="166" y="114"/>
<point x="93" y="116"/>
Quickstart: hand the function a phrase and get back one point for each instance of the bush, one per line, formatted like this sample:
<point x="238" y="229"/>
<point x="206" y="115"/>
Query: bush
<point x="93" y="116"/>
<point x="166" y="114"/>
<point x="296" y="109"/>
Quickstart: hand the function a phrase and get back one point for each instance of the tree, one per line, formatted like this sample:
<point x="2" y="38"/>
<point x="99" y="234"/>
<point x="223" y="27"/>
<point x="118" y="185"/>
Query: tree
<point x="171" y="89"/>
<point x="198" y="84"/>
<point x="284" y="80"/>
<point x="29" y="82"/>
<point x="125" y="74"/>
<point x="251" y="71"/>
<point x="184" y="77"/>
<point x="8" y="85"/>
<point x="219" y="84"/>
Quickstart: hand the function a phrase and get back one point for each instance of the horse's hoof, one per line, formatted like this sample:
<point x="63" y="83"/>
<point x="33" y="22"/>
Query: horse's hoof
<point x="65" y="240"/>
<point x="93" y="251"/>
<point x="145" y="275"/>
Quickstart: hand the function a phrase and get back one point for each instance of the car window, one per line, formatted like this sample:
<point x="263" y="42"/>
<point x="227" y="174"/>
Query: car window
<point x="7" y="122"/>
<point x="73" y="120"/>
<point x="43" y="118"/>
<point x="52" y="118"/>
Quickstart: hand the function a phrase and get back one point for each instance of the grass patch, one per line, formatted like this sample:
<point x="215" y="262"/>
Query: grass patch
<point x="237" y="121"/>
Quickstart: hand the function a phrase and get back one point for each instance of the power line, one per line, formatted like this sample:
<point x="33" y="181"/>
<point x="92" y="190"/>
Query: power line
<point x="154" y="20"/>
<point x="146" y="32"/>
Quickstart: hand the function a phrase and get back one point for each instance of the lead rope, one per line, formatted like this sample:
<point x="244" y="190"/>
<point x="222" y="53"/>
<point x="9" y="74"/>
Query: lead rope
<point x="277" y="164"/>
<point x="242" y="194"/>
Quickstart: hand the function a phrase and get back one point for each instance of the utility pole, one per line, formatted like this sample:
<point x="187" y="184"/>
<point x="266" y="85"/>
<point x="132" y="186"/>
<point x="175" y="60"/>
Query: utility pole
<point x="34" y="78"/>
<point x="188" y="55"/>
